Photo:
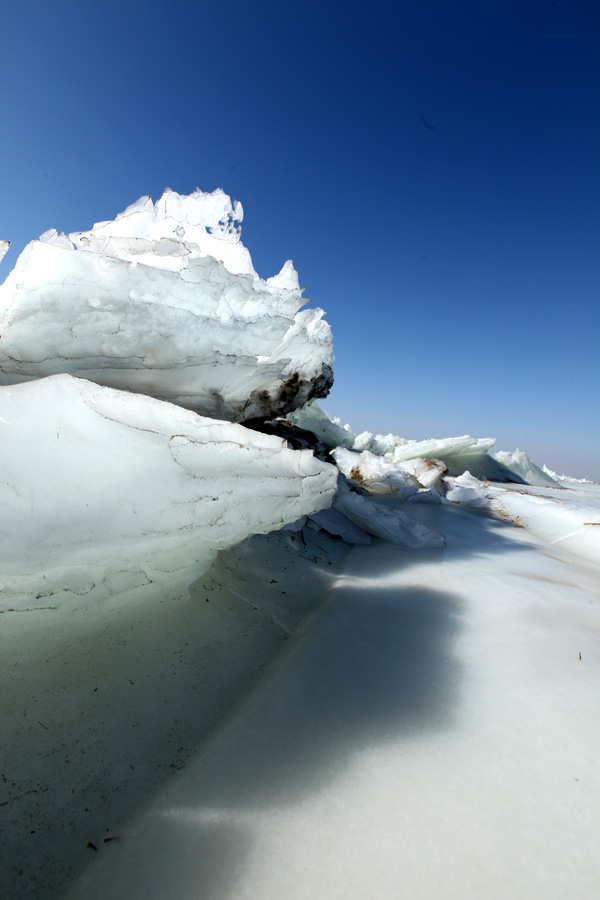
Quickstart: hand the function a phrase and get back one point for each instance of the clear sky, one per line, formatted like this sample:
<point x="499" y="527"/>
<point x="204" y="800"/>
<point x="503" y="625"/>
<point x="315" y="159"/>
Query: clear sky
<point x="432" y="168"/>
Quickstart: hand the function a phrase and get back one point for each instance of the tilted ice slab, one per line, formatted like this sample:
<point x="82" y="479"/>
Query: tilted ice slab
<point x="569" y="519"/>
<point x="566" y="517"/>
<point x="102" y="490"/>
<point x="330" y="431"/>
<point x="164" y="301"/>
<point x="386" y="523"/>
<point x="521" y="465"/>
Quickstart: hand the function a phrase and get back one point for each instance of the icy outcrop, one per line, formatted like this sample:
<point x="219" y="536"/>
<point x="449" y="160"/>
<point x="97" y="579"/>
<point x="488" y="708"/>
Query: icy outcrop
<point x="566" y="480"/>
<point x="458" y="454"/>
<point x="375" y="473"/>
<point x="102" y="490"/>
<point x="386" y="523"/>
<point x="428" y="472"/>
<point x="336" y="523"/>
<point x="4" y="245"/>
<point x="330" y="431"/>
<point x="519" y="464"/>
<point x="466" y="490"/>
<point x="164" y="301"/>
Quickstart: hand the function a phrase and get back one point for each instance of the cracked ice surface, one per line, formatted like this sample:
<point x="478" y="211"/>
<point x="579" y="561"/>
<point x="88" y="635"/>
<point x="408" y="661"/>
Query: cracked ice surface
<point x="102" y="491"/>
<point x="164" y="301"/>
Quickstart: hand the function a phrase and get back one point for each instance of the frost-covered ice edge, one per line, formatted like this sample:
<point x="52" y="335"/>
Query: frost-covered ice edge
<point x="128" y="354"/>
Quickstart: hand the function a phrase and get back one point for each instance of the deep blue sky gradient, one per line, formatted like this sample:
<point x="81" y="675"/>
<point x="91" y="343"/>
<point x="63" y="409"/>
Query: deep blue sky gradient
<point x="459" y="264"/>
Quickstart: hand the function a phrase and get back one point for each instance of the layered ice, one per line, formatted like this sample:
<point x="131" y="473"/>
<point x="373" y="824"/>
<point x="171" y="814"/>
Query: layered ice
<point x="164" y="301"/>
<point x="103" y="490"/>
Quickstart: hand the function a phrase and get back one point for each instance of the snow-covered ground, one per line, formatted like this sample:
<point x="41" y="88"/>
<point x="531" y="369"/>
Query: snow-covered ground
<point x="101" y="703"/>
<point x="432" y="731"/>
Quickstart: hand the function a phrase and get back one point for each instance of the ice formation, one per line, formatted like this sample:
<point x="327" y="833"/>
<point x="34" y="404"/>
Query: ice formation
<point x="466" y="490"/>
<point x="427" y="471"/>
<point x="375" y="473"/>
<point x="386" y="523"/>
<point x="567" y="480"/>
<point x="164" y="301"/>
<point x="330" y="431"/>
<point x="104" y="490"/>
<point x="4" y="245"/>
<point x="334" y="522"/>
<point x="457" y="471"/>
<point x="453" y="455"/>
<point x="458" y="454"/>
<point x="518" y="463"/>
<point x="568" y="519"/>
<point x="106" y="493"/>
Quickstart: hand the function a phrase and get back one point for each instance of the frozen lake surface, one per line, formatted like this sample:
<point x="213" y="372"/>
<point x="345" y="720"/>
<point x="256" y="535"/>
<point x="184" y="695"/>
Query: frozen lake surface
<point x="432" y="731"/>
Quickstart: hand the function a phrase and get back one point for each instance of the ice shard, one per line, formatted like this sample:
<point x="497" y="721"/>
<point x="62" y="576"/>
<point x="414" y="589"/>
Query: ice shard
<point x="103" y="491"/>
<point x="164" y="301"/>
<point x="519" y="464"/>
<point x="330" y="431"/>
<point x="386" y="523"/>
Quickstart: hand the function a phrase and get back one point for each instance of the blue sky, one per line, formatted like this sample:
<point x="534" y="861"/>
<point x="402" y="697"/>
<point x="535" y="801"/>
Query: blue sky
<point x="459" y="264"/>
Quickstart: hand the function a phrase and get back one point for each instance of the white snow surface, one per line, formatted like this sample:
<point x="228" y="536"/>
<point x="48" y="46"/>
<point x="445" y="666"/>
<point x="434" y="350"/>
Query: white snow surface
<point x="103" y="490"/>
<point x="164" y="301"/>
<point x="4" y="245"/>
<point x="431" y="733"/>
